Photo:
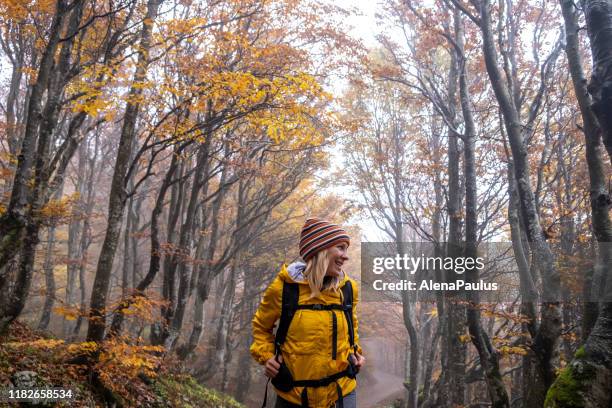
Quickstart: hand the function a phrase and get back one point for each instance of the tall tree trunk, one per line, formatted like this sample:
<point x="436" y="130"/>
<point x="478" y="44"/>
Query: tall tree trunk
<point x="126" y="267"/>
<point x="455" y="318"/>
<point x="225" y="318"/>
<point x="156" y="250"/>
<point x="438" y="238"/>
<point x="545" y="342"/>
<point x="136" y="262"/>
<point x="161" y="332"/>
<point x="85" y="242"/>
<point x="86" y="234"/>
<point x="243" y="370"/>
<point x="489" y="357"/>
<point x="429" y="364"/>
<point x="37" y="195"/>
<point x="598" y="14"/>
<point x="14" y="221"/>
<point x="185" y="245"/>
<point x="118" y="194"/>
<point x="412" y="383"/>
<point x="588" y="378"/>
<point x="207" y="271"/>
<point x="74" y="233"/>
<point x="527" y="286"/>
<point x="599" y="195"/>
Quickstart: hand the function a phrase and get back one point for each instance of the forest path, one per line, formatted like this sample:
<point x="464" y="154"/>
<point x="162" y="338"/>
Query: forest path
<point x="382" y="387"/>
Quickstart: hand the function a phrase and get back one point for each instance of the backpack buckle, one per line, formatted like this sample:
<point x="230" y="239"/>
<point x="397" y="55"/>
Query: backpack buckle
<point x="317" y="307"/>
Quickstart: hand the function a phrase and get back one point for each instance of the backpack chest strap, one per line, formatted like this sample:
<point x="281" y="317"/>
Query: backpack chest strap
<point x="343" y="308"/>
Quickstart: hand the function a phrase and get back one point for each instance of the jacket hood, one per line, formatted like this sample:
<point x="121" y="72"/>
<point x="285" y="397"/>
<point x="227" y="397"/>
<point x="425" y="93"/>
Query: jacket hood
<point x="295" y="273"/>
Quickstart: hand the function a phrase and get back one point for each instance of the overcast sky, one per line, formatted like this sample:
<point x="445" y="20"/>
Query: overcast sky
<point x="364" y="28"/>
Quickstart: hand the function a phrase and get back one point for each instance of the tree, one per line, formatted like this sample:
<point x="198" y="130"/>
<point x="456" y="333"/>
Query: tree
<point x="599" y="24"/>
<point x="549" y="330"/>
<point x="488" y="355"/>
<point x="592" y="389"/>
<point x="20" y="224"/>
<point x="117" y="196"/>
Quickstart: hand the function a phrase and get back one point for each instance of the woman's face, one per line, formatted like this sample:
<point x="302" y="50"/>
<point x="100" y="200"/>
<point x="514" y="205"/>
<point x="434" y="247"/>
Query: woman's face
<point x="337" y="256"/>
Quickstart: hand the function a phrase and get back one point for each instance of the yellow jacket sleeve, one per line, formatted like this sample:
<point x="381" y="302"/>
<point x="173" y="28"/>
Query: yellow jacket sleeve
<point x="355" y="322"/>
<point x="267" y="314"/>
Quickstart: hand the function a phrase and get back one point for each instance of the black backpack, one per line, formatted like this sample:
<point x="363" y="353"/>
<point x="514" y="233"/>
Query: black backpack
<point x="290" y="304"/>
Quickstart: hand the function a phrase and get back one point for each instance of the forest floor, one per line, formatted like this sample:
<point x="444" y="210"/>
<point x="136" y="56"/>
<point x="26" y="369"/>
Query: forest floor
<point x="45" y="361"/>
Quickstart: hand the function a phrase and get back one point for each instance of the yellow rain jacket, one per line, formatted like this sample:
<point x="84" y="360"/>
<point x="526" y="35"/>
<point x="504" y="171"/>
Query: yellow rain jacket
<point x="307" y="350"/>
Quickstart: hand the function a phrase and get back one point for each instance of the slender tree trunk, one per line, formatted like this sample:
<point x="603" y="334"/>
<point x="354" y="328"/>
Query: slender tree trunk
<point x="227" y="359"/>
<point x="429" y="364"/>
<point x="117" y="198"/>
<point x="207" y="271"/>
<point x="13" y="133"/>
<point x="412" y="375"/>
<point x="126" y="267"/>
<point x="243" y="370"/>
<point x="545" y="342"/>
<point x="429" y="395"/>
<point x="185" y="245"/>
<point x="136" y="262"/>
<point x="455" y="318"/>
<point x="85" y="241"/>
<point x="85" y="235"/>
<point x="74" y="253"/>
<point x="489" y="357"/>
<point x="48" y="267"/>
<point x="527" y="287"/>
<point x="156" y="250"/>
<point x="45" y="317"/>
<point x="225" y="318"/>
<point x="243" y="374"/>
<point x="160" y="333"/>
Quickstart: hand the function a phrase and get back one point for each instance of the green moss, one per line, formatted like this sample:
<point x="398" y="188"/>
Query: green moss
<point x="569" y="387"/>
<point x="580" y="353"/>
<point x="184" y="391"/>
<point x="564" y="392"/>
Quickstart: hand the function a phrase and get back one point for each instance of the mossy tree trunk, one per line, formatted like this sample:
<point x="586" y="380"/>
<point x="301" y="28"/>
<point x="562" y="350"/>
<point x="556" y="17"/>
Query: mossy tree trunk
<point x="587" y="381"/>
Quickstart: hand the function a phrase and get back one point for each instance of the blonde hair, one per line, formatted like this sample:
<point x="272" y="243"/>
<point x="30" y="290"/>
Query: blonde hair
<point x="315" y="271"/>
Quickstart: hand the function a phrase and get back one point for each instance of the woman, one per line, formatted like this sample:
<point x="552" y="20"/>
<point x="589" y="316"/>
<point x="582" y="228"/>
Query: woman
<point x="314" y="362"/>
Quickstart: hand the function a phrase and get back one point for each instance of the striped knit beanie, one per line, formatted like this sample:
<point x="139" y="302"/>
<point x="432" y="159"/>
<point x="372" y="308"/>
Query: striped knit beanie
<point x="319" y="234"/>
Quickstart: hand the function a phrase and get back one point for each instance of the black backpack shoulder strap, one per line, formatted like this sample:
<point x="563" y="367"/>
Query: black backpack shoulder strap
<point x="347" y="302"/>
<point x="291" y="296"/>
